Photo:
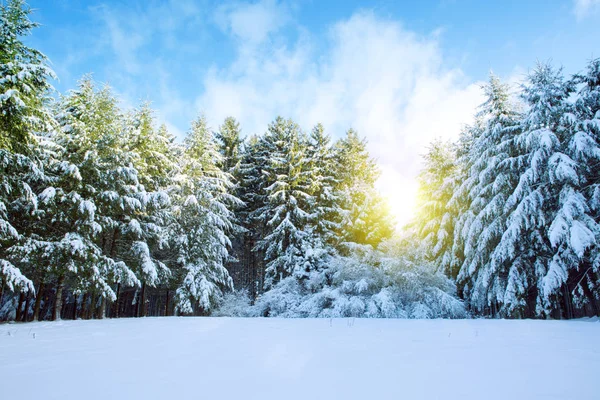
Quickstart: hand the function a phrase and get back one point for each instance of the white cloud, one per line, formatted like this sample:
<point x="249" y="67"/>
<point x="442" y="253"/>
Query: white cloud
<point x="389" y="84"/>
<point x="124" y="44"/>
<point x="251" y="23"/>
<point x="585" y="8"/>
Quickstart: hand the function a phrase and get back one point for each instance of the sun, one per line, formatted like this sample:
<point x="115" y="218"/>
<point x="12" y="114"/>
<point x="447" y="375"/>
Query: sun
<point x="401" y="195"/>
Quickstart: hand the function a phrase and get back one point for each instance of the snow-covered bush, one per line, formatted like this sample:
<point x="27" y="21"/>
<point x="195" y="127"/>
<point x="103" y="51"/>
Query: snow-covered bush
<point x="368" y="283"/>
<point x="236" y="303"/>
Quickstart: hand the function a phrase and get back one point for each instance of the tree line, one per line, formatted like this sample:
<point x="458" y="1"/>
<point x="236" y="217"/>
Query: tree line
<point x="103" y="213"/>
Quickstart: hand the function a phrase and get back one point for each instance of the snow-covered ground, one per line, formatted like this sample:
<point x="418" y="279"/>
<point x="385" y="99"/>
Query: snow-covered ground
<point x="223" y="358"/>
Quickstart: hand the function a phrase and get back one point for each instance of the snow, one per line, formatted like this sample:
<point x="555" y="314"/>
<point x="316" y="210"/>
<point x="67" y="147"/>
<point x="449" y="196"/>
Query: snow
<point x="180" y="358"/>
<point x="48" y="194"/>
<point x="13" y="278"/>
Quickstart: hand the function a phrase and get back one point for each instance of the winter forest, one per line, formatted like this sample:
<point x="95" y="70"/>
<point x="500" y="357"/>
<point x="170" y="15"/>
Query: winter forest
<point x="105" y="214"/>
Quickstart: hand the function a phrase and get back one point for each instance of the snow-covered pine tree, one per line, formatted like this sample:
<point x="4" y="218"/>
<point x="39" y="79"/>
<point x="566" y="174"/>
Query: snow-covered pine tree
<point x="229" y="144"/>
<point x="574" y="231"/>
<point x="24" y="80"/>
<point x="251" y="183"/>
<point x="151" y="147"/>
<point x="204" y="220"/>
<point x="62" y="243"/>
<point x="17" y="173"/>
<point x="287" y="241"/>
<point x="62" y="228"/>
<point x="490" y="179"/>
<point x="549" y="228"/>
<point x="251" y="190"/>
<point x="24" y="88"/>
<point x="155" y="159"/>
<point x="91" y="137"/>
<point x="434" y="222"/>
<point x="366" y="218"/>
<point x="585" y="149"/>
<point x="326" y="208"/>
<point x="451" y="259"/>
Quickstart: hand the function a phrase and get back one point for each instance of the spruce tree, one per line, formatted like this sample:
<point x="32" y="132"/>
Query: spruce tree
<point x="366" y="219"/>
<point x="326" y="208"/>
<point x="251" y="191"/>
<point x="155" y="160"/>
<point x="17" y="199"/>
<point x="229" y="145"/>
<point x="205" y="220"/>
<point x="91" y="137"/>
<point x="549" y="228"/>
<point x="434" y="222"/>
<point x="490" y="180"/>
<point x="24" y="80"/>
<point x="24" y="88"/>
<point x="284" y="213"/>
<point x="585" y="149"/>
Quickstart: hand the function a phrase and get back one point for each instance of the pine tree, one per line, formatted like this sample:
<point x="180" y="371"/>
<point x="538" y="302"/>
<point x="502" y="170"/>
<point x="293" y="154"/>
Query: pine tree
<point x="585" y="147"/>
<point x="287" y="197"/>
<point x="574" y="231"/>
<point x="24" y="80"/>
<point x="434" y="222"/>
<point x="326" y="208"/>
<point x="204" y="221"/>
<point x="151" y="147"/>
<point x="91" y="137"/>
<point x="17" y="173"/>
<point x="251" y="191"/>
<point x="61" y="228"/>
<point x="451" y="259"/>
<point x="24" y="87"/>
<point x="155" y="160"/>
<point x="490" y="180"/>
<point x="229" y="144"/>
<point x="549" y="228"/>
<point x="366" y="218"/>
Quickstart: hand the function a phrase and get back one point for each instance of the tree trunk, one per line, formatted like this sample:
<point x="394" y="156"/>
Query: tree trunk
<point x="112" y="252"/>
<point x="92" y="309"/>
<point x="58" y="300"/>
<point x="102" y="311"/>
<point x="568" y="302"/>
<point x="38" y="301"/>
<point x="25" y="316"/>
<point x="167" y="304"/>
<point x="65" y="307"/>
<point x="20" y="306"/>
<point x="75" y="307"/>
<point x="84" y="302"/>
<point x="142" y="302"/>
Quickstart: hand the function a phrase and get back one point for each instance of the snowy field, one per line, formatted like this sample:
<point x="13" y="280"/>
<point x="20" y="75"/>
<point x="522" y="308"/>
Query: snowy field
<point x="222" y="358"/>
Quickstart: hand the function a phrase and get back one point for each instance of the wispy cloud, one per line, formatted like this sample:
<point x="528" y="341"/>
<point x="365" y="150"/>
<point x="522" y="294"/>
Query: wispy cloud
<point x="252" y="23"/>
<point x="124" y="40"/>
<point x="146" y="54"/>
<point x="586" y="8"/>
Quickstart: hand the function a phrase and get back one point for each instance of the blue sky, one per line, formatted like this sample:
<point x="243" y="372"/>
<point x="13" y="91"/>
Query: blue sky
<point x="400" y="72"/>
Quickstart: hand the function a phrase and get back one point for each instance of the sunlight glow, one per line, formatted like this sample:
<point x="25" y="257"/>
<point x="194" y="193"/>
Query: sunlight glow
<point x="401" y="194"/>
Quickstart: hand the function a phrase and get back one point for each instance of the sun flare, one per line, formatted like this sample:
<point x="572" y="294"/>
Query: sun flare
<point x="401" y="194"/>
